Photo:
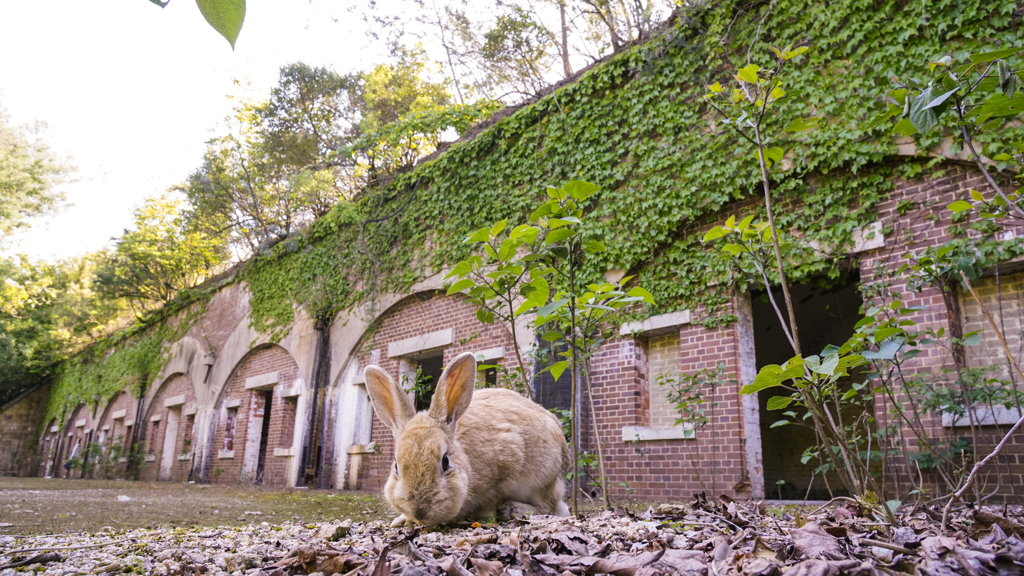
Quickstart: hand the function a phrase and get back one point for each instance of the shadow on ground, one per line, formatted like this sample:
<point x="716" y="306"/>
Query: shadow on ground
<point x="39" y="505"/>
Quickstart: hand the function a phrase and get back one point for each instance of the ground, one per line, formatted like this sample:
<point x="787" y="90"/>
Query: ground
<point x="50" y="506"/>
<point x="66" y="528"/>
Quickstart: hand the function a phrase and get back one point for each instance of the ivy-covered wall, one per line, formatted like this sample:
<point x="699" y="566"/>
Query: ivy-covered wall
<point x="637" y="127"/>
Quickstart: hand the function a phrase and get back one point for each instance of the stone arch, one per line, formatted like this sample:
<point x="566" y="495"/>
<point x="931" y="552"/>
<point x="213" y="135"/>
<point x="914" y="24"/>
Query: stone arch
<point x="74" y="437"/>
<point x="167" y="429"/>
<point x="256" y="430"/>
<point x="424" y="325"/>
<point x="114" y="428"/>
<point x="49" y="442"/>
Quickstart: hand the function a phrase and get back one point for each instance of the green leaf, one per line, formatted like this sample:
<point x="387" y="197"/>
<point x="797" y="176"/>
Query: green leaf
<point x="541" y="291"/>
<point x="640" y="292"/>
<point x="580" y="190"/>
<point x="548" y="309"/>
<point x="749" y="73"/>
<point x="714" y="234"/>
<point x="460" y="286"/>
<point x="774" y="154"/>
<point x="551" y="336"/>
<point x="225" y="16"/>
<point x="994" y="55"/>
<point x="481" y="235"/>
<point x="926" y="108"/>
<point x="558" y="368"/>
<point x="780" y="423"/>
<point x="498" y="227"/>
<point x="977" y="196"/>
<point x="485" y="316"/>
<point x="558" y="235"/>
<point x="779" y="402"/>
<point x="960" y="206"/>
<point x="594" y="247"/>
<point x="803" y="124"/>
<point x="905" y="127"/>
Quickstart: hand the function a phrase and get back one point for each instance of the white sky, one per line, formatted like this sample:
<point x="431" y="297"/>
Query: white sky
<point x="131" y="92"/>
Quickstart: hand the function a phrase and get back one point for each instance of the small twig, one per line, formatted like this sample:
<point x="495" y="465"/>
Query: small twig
<point x="887" y="546"/>
<point x="832" y="501"/>
<point x="84" y="546"/>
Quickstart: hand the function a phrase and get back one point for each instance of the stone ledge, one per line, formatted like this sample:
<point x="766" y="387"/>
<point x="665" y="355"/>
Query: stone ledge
<point x="222" y="454"/>
<point x="118" y="414"/>
<point x="491" y="354"/>
<point x="262" y="381"/>
<point x="293" y="392"/>
<point x="189" y="411"/>
<point x="150" y="457"/>
<point x="80" y="423"/>
<point x="657" y="325"/>
<point x="370" y="448"/>
<point x="105" y="428"/>
<point x="645" y="434"/>
<point x="983" y="417"/>
<point x="174" y="401"/>
<point x="54" y="428"/>
<point x="422" y="343"/>
<point x="284" y="452"/>
<point x="184" y="456"/>
<point x="234" y="403"/>
<point x="157" y="418"/>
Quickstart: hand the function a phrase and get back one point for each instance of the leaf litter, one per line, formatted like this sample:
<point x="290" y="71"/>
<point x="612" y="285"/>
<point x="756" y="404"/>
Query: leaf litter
<point x="704" y="538"/>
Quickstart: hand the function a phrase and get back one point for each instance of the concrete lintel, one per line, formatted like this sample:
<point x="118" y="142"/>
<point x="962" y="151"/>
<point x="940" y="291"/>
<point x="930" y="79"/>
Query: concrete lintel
<point x="645" y="434"/>
<point x="868" y="237"/>
<point x="222" y="454"/>
<point x="105" y="428"/>
<point x="262" y="381"/>
<point x="359" y="378"/>
<point x="491" y="354"/>
<point x="657" y="325"/>
<point x="150" y="457"/>
<point x="80" y="423"/>
<point x="174" y="401"/>
<point x="184" y="456"/>
<point x="422" y="343"/>
<point x="233" y="403"/>
<point x="284" y="452"/>
<point x="157" y="418"/>
<point x="54" y="428"/>
<point x="370" y="448"/>
<point x="118" y="414"/>
<point x="984" y="417"/>
<point x="189" y="411"/>
<point x="293" y="392"/>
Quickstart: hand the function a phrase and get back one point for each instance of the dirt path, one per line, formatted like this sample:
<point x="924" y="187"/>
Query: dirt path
<point x="37" y="505"/>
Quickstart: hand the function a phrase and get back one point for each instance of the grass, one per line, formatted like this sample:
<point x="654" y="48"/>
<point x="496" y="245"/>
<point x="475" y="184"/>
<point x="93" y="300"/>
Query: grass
<point x="38" y="505"/>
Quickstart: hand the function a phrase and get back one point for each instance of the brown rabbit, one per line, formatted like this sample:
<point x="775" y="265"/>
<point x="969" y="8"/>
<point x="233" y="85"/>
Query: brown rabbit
<point x="469" y="452"/>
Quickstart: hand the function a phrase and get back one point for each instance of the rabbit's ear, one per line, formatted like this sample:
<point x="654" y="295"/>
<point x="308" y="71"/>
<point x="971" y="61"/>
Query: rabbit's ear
<point x="455" y="390"/>
<point x="390" y="402"/>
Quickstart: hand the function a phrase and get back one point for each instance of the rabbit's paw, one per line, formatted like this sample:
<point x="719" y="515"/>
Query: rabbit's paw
<point x="402" y="522"/>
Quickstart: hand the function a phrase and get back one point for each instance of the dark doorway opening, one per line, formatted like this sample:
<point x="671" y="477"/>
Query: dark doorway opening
<point x="268" y="398"/>
<point x="428" y="373"/>
<point x="824" y="316"/>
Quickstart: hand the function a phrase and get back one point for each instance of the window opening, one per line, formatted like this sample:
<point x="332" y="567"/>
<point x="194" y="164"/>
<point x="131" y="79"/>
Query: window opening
<point x="428" y="373"/>
<point x="229" y="429"/>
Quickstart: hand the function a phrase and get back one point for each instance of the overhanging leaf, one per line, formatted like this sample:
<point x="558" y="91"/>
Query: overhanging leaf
<point x="994" y="55"/>
<point x="779" y="402"/>
<point x="225" y="16"/>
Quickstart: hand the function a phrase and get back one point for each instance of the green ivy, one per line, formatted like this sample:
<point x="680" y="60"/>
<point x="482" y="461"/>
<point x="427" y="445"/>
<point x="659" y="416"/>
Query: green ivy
<point x="637" y="127"/>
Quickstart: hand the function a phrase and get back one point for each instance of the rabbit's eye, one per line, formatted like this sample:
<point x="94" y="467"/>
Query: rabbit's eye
<point x="444" y="463"/>
<point x="396" y="470"/>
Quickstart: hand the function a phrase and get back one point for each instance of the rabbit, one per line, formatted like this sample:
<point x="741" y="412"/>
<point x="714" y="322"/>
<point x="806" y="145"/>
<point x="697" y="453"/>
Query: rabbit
<point x="470" y="451"/>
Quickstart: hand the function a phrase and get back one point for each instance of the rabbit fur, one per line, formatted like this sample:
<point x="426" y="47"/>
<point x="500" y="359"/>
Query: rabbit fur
<point x="499" y="446"/>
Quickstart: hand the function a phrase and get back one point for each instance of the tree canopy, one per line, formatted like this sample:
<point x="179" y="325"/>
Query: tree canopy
<point x="30" y="174"/>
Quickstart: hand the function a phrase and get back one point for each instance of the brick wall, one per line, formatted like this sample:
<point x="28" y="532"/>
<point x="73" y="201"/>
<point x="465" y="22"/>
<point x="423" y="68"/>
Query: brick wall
<point x="413" y="316"/>
<point x="118" y="432"/>
<point x="19" y="428"/>
<point x="262" y="360"/>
